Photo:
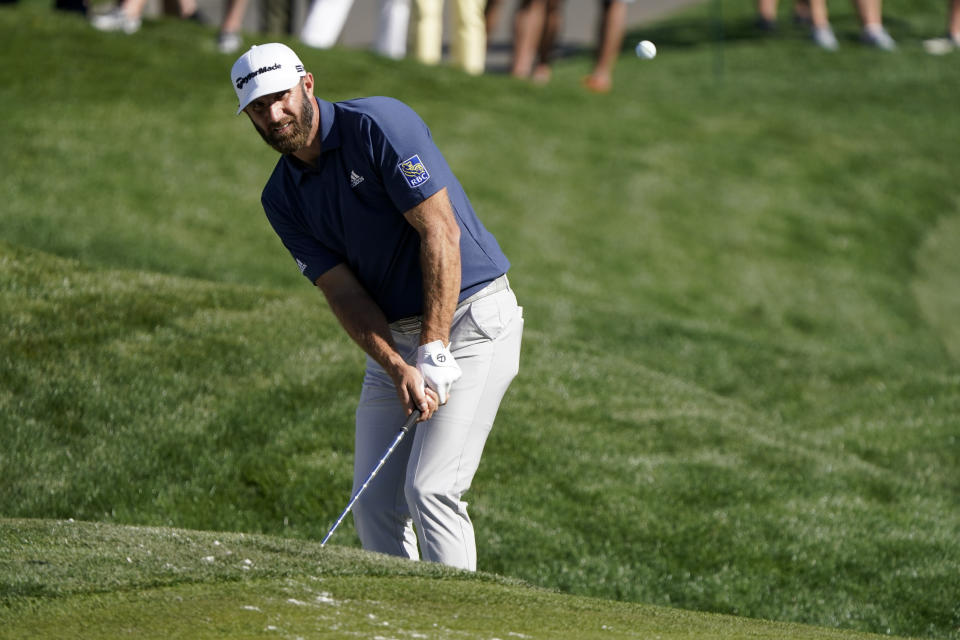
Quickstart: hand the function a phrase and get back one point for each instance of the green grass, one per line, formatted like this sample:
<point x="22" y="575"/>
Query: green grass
<point x="740" y="382"/>
<point x="84" y="580"/>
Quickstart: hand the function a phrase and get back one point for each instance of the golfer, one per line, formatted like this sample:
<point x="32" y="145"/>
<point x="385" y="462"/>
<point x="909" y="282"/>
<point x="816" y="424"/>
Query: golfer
<point x="373" y="216"/>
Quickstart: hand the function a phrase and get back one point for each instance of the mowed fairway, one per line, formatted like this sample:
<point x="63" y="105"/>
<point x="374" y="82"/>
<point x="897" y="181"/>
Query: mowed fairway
<point x="740" y="386"/>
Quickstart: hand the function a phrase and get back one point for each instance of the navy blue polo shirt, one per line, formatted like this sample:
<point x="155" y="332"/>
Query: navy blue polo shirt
<point x="377" y="161"/>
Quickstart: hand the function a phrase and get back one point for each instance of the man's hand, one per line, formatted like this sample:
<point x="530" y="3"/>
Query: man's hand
<point x="439" y="368"/>
<point x="414" y="393"/>
<point x="365" y="323"/>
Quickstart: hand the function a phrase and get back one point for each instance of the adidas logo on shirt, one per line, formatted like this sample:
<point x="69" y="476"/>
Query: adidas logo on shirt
<point x="355" y="179"/>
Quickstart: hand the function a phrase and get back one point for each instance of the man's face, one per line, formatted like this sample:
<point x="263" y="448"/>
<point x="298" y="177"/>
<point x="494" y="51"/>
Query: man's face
<point x="283" y="119"/>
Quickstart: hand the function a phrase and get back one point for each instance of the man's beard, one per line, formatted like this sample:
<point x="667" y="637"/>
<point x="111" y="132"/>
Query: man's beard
<point x="295" y="136"/>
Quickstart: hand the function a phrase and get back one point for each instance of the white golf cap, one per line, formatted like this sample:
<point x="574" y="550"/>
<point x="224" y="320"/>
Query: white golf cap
<point x="264" y="69"/>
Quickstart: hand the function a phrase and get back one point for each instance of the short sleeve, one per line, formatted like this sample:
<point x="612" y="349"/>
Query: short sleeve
<point x="411" y="166"/>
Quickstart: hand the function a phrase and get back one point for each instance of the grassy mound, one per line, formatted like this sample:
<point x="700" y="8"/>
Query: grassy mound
<point x="85" y="580"/>
<point x="740" y="387"/>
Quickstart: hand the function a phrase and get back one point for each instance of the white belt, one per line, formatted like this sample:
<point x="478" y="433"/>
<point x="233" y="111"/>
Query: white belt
<point x="411" y="324"/>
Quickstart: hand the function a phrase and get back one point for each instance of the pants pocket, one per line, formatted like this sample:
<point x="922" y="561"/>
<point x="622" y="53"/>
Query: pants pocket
<point x="484" y="320"/>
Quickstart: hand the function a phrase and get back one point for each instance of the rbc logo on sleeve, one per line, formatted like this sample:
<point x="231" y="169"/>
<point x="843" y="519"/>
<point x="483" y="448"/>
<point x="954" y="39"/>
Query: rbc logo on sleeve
<point x="413" y="170"/>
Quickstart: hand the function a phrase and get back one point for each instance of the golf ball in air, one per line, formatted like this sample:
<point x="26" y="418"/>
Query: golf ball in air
<point x="646" y="50"/>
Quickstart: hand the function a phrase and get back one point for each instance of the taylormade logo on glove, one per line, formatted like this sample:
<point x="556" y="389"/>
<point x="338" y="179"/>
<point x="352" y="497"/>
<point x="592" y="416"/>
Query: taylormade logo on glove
<point x="438" y="368"/>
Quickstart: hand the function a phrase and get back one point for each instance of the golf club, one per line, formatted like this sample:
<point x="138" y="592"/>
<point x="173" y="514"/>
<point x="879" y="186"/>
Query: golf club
<point x="411" y="420"/>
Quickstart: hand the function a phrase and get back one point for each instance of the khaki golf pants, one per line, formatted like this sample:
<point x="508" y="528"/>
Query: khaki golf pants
<point x="417" y="495"/>
<point x="469" y="43"/>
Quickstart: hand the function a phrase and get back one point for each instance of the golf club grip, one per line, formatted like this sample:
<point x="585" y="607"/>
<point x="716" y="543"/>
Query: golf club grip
<point x="411" y="420"/>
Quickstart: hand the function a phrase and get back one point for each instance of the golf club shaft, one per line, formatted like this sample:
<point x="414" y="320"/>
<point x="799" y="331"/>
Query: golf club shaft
<point x="411" y="420"/>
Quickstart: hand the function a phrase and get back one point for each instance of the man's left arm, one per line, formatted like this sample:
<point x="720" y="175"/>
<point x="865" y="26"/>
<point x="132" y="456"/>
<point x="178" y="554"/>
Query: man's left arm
<point x="439" y="232"/>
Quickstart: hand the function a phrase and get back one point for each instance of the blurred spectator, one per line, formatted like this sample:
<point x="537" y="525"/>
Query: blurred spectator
<point x="536" y="27"/>
<point x="128" y="15"/>
<point x="325" y="20"/>
<point x="536" y="24"/>
<point x="276" y="17"/>
<point x="391" y="40"/>
<point x="872" y="32"/>
<point x="808" y="12"/>
<point x="491" y="15"/>
<point x="469" y="42"/>
<point x="612" y="26"/>
<point x="229" y="40"/>
<point x="940" y="46"/>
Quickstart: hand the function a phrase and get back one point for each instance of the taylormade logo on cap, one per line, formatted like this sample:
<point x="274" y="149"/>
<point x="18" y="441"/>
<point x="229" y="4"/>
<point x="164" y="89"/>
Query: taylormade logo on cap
<point x="265" y="69"/>
<point x="242" y="81"/>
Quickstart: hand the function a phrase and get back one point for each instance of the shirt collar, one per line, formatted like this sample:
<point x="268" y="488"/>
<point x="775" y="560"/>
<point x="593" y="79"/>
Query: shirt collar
<point x="329" y="138"/>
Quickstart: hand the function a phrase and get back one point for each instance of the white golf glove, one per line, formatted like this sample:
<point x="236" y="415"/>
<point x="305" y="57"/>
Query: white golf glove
<point x="438" y="368"/>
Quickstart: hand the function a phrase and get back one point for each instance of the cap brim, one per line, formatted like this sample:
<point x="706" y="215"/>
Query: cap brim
<point x="266" y="88"/>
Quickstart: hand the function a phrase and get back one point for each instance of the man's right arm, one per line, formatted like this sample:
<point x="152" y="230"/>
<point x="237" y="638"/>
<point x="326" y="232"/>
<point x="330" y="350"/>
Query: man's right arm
<point x="365" y="323"/>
